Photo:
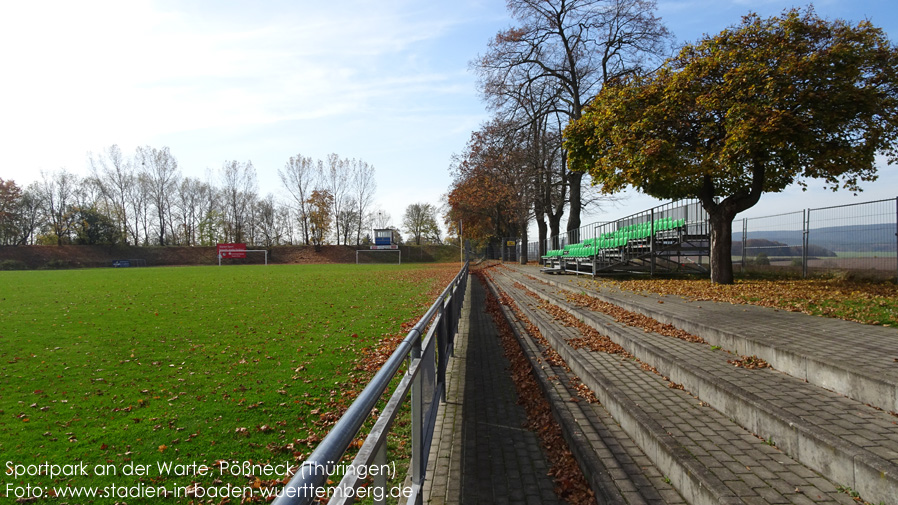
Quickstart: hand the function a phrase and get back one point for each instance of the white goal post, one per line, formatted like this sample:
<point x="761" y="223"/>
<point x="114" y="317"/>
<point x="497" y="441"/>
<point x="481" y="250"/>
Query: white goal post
<point x="377" y="251"/>
<point x="242" y="251"/>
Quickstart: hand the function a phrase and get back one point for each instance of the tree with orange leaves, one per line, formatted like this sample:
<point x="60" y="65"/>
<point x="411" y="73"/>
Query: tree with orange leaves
<point x="319" y="204"/>
<point x="10" y="194"/>
<point x="493" y="187"/>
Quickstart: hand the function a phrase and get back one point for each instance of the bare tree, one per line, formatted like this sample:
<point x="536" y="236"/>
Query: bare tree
<point x="58" y="193"/>
<point x="380" y="218"/>
<point x="545" y="153"/>
<point x="114" y="175"/>
<point x="239" y="192"/>
<point x="190" y="196"/>
<point x="534" y="110"/>
<point x="300" y="177"/>
<point x="268" y="222"/>
<point x="348" y="220"/>
<point x="336" y="176"/>
<point x="160" y="175"/>
<point x="285" y="218"/>
<point x="571" y="47"/>
<point x="363" y="188"/>
<point x="140" y="201"/>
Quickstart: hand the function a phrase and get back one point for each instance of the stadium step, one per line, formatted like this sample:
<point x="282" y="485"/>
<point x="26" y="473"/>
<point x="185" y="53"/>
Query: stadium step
<point x="731" y="434"/>
<point x="857" y="360"/>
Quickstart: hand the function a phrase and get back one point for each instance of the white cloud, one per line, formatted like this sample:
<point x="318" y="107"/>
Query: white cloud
<point x="106" y="69"/>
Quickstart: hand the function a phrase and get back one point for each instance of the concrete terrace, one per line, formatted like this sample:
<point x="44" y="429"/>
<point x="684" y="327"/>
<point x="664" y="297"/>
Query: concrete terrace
<point x="676" y="422"/>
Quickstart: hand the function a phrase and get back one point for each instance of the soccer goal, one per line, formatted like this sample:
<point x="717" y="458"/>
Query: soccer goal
<point x="237" y="251"/>
<point x="377" y="256"/>
<point x="220" y="256"/>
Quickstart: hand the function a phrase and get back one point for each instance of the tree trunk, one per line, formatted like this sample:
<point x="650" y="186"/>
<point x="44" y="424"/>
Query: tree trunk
<point x="524" y="245"/>
<point x="721" y="215"/>
<point x="721" y="223"/>
<point x="555" y="230"/>
<point x="542" y="231"/>
<point x="575" y="206"/>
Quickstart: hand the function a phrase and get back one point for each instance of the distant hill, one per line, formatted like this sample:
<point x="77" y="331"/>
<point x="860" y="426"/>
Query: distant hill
<point x="868" y="237"/>
<point x="774" y="248"/>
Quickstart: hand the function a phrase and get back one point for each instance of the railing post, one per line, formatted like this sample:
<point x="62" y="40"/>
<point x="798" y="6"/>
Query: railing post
<point x="417" y="418"/>
<point x="380" y="478"/>
<point x="453" y="319"/>
<point x="442" y="335"/>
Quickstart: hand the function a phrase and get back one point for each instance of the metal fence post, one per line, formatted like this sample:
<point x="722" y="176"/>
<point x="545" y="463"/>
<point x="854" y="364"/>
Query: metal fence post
<point x="806" y="233"/>
<point x="651" y="241"/>
<point x="744" y="241"/>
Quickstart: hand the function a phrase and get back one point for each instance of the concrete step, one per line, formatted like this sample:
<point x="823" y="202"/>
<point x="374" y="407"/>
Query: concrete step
<point x="850" y="443"/>
<point x="857" y="360"/>
<point x="706" y="455"/>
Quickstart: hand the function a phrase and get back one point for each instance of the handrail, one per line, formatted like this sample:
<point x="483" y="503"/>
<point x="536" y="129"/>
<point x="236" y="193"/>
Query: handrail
<point x="312" y="474"/>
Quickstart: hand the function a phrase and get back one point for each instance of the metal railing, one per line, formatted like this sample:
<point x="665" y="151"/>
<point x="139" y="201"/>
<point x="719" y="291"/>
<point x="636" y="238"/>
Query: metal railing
<point x="690" y="211"/>
<point x="426" y="348"/>
<point x="655" y="244"/>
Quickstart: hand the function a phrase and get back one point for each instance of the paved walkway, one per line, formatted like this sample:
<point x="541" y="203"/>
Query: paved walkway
<point x="481" y="453"/>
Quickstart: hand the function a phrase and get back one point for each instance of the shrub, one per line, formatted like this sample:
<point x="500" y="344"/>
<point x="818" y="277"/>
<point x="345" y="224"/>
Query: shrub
<point x="57" y="264"/>
<point x="13" y="265"/>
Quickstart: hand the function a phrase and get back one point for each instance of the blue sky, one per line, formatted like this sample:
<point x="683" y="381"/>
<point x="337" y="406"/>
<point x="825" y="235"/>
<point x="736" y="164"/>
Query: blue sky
<point x="387" y="82"/>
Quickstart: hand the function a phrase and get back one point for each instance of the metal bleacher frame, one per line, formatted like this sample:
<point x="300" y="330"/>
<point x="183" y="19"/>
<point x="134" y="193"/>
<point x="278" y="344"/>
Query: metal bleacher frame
<point x="673" y="237"/>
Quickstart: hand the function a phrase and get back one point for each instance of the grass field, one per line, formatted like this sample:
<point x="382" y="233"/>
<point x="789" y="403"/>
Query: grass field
<point x="865" y="254"/>
<point x="108" y="370"/>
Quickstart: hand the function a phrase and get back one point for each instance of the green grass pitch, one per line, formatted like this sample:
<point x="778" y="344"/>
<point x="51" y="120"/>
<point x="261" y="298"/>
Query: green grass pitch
<point x="212" y="366"/>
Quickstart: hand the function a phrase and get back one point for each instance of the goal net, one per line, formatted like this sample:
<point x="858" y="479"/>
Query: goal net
<point x="378" y="256"/>
<point x="241" y="255"/>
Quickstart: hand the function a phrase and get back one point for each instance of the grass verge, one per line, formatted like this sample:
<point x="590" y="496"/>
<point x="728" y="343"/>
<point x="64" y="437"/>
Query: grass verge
<point x="865" y="302"/>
